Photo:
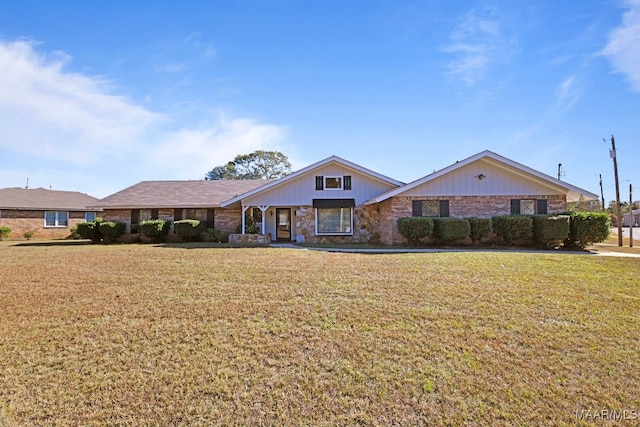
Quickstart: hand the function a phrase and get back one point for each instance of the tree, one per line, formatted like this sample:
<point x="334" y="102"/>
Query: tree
<point x="258" y="165"/>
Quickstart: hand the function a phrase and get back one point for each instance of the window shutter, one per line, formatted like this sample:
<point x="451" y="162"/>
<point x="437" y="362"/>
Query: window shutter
<point x="346" y="182"/>
<point x="135" y="216"/>
<point x="319" y="183"/>
<point x="515" y="206"/>
<point x="154" y="213"/>
<point x="177" y="214"/>
<point x="542" y="207"/>
<point x="416" y="208"/>
<point x="211" y="215"/>
<point x="444" y="208"/>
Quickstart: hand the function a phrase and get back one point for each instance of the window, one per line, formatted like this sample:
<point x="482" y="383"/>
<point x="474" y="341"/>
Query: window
<point x="333" y="182"/>
<point x="334" y="221"/>
<point x="430" y="208"/>
<point x="528" y="207"/>
<point x="89" y="216"/>
<point x="56" y="219"/>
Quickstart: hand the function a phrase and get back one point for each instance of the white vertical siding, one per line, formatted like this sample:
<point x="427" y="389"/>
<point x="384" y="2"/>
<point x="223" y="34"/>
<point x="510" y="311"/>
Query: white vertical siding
<point x="302" y="190"/>
<point x="497" y="182"/>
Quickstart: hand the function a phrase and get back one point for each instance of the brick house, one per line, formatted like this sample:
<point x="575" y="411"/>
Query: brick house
<point x="338" y="201"/>
<point x="46" y="213"/>
<point x="176" y="200"/>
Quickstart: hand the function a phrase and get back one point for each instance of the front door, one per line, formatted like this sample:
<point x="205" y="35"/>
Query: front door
<point x="283" y="224"/>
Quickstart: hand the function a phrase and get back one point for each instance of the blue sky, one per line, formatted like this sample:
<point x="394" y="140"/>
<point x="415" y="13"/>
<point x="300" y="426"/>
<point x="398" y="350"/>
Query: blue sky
<point x="97" y="96"/>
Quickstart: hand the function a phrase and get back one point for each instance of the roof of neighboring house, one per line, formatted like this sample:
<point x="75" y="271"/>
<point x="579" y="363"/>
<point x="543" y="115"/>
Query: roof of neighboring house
<point x="303" y="171"/>
<point x="43" y="199"/>
<point x="178" y="194"/>
<point x="573" y="193"/>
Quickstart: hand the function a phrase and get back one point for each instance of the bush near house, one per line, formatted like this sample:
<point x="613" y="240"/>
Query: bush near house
<point x="90" y="230"/>
<point x="550" y="230"/>
<point x="588" y="227"/>
<point x="510" y="228"/>
<point x="155" y="229"/>
<point x="111" y="231"/>
<point x="189" y="230"/>
<point x="415" y="228"/>
<point x="213" y="235"/>
<point x="479" y="228"/>
<point x="4" y="232"/>
<point x="101" y="231"/>
<point x="450" y="229"/>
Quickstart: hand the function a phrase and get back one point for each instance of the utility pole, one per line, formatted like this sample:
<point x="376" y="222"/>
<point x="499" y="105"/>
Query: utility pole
<point x="630" y="216"/>
<point x="602" y="194"/>
<point x="612" y="153"/>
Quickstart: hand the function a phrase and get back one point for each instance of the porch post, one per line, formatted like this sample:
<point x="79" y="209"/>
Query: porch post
<point x="244" y="209"/>
<point x="264" y="218"/>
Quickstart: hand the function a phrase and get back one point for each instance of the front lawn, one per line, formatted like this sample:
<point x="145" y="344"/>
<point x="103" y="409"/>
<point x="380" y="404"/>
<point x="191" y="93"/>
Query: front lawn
<point x="152" y="335"/>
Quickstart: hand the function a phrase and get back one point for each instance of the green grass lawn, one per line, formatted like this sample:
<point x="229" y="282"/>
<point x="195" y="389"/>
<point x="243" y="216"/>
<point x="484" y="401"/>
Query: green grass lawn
<point x="143" y="334"/>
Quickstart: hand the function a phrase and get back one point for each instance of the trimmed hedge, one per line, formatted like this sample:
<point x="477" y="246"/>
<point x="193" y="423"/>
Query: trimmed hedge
<point x="588" y="227"/>
<point x="189" y="229"/>
<point x="4" y="232"/>
<point x="510" y="228"/>
<point x="101" y="231"/>
<point x="155" y="229"/>
<point x="550" y="230"/>
<point x="450" y="229"/>
<point x="479" y="228"/>
<point x="90" y="230"/>
<point x="111" y="231"/>
<point x="415" y="228"/>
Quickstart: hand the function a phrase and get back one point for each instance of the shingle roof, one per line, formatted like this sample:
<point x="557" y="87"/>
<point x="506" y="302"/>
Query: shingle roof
<point x="178" y="194"/>
<point x="43" y="199"/>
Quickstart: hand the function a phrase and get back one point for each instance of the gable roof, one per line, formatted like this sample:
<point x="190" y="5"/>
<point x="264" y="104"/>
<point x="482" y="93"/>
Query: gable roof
<point x="573" y="193"/>
<point x="177" y="194"/>
<point x="309" y="169"/>
<point x="43" y="199"/>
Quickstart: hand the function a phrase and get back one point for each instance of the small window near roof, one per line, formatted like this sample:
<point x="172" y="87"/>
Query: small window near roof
<point x="56" y="219"/>
<point x="333" y="182"/>
<point x="89" y="216"/>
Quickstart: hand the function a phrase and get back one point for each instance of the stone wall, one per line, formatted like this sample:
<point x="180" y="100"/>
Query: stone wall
<point x="367" y="226"/>
<point x="459" y="207"/>
<point x="21" y="221"/>
<point x="250" y="239"/>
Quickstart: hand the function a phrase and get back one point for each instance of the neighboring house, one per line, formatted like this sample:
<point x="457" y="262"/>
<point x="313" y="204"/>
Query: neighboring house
<point x="46" y="213"/>
<point x="483" y="185"/>
<point x="322" y="202"/>
<point x="632" y="218"/>
<point x="176" y="200"/>
<point x="335" y="200"/>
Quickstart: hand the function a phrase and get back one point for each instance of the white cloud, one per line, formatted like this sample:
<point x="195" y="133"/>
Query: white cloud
<point x="477" y="43"/>
<point x="623" y="47"/>
<point x="73" y="131"/>
<point x="567" y="94"/>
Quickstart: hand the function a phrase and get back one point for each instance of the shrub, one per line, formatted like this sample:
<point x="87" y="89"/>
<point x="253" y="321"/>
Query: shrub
<point x="214" y="235"/>
<point x="250" y="226"/>
<point x="90" y="230"/>
<point x="450" y="229"/>
<point x="479" y="228"/>
<point x="111" y="231"/>
<point x="510" y="228"/>
<point x="189" y="229"/>
<point x="4" y="232"/>
<point x="588" y="227"/>
<point x="415" y="228"/>
<point x="155" y="229"/>
<point x="28" y="235"/>
<point x="550" y="230"/>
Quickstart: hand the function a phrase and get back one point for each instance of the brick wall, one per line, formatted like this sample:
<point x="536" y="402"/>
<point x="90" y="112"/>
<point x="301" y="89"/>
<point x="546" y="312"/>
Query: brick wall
<point x="460" y="207"/>
<point x="21" y="221"/>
